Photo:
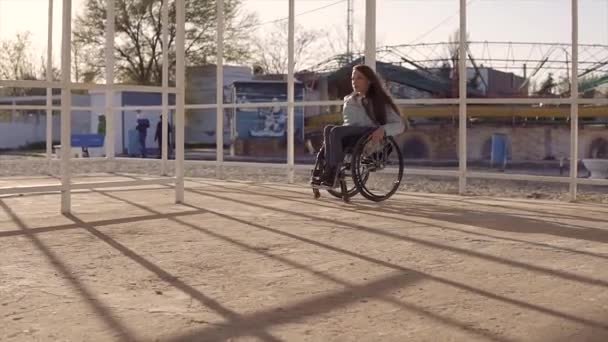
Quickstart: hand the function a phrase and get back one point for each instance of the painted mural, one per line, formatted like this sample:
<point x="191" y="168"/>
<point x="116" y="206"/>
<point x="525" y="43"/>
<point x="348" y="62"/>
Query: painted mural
<point x="264" y="122"/>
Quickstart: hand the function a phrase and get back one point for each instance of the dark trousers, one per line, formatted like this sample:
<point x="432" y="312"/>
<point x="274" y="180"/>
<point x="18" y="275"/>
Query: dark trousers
<point x="142" y="144"/>
<point x="337" y="138"/>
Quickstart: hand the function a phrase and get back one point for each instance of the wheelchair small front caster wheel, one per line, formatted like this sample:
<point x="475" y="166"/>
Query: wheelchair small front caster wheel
<point x="316" y="193"/>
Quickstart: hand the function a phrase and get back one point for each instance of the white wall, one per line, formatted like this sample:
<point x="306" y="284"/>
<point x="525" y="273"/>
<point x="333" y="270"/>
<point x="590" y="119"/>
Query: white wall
<point x="17" y="134"/>
<point x="30" y="128"/>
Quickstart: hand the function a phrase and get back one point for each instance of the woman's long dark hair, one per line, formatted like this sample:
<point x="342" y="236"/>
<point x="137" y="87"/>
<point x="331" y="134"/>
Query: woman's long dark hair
<point x="376" y="93"/>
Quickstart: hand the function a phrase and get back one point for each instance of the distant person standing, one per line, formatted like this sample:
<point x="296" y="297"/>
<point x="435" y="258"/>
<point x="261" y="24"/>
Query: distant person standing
<point x="158" y="137"/>
<point x="142" y="131"/>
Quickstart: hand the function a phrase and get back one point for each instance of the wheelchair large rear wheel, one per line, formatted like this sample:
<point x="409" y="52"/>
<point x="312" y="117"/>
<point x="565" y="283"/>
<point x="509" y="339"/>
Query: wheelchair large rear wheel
<point x="377" y="168"/>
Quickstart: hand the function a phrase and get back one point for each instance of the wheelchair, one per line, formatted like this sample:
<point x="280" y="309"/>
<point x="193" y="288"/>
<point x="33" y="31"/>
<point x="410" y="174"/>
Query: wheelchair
<point x="364" y="161"/>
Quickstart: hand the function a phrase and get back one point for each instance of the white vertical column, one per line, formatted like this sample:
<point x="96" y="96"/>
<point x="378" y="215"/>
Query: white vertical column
<point x="14" y="113"/>
<point x="165" y="81"/>
<point x="219" y="88"/>
<point x="180" y="74"/>
<point x="49" y="89"/>
<point x="109" y="108"/>
<point x="233" y="133"/>
<point x="462" y="90"/>
<point x="290" y="93"/>
<point x="574" y="105"/>
<point x="370" y="33"/>
<point x="66" y="106"/>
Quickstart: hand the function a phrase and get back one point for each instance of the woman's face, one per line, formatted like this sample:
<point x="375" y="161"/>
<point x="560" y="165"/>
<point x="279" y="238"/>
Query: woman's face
<point x="360" y="82"/>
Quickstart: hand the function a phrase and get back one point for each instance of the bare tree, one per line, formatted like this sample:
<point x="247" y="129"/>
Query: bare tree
<point x="270" y="48"/>
<point x="138" y="43"/>
<point x="16" y="59"/>
<point x="17" y="63"/>
<point x="547" y="87"/>
<point x="453" y="48"/>
<point x="336" y="42"/>
<point x="86" y="63"/>
<point x="334" y="45"/>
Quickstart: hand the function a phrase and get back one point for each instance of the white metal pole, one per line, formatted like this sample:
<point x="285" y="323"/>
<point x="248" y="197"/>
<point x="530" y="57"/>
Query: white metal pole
<point x="14" y="113"/>
<point x="165" y="76"/>
<point x="66" y="106"/>
<point x="574" y="105"/>
<point x="233" y="124"/>
<point x="290" y="93"/>
<point x="370" y="33"/>
<point x="49" y="90"/>
<point x="219" y="127"/>
<point x="462" y="91"/>
<point x="109" y="110"/>
<point x="180" y="74"/>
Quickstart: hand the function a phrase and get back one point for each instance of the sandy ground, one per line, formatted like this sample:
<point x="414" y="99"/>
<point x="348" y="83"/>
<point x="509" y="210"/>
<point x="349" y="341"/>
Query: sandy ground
<point x="244" y="261"/>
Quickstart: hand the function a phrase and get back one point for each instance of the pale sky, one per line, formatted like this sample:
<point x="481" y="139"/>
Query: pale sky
<point x="399" y="21"/>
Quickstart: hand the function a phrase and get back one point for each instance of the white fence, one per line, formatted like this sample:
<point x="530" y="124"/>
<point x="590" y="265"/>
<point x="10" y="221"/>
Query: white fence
<point x="31" y="128"/>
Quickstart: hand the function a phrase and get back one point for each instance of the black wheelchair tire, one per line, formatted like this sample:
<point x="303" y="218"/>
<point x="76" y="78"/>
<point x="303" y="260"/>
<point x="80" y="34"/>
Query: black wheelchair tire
<point x="356" y="176"/>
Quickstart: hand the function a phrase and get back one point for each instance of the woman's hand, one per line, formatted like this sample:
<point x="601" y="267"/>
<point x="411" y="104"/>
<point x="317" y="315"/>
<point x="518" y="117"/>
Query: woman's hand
<point x="378" y="134"/>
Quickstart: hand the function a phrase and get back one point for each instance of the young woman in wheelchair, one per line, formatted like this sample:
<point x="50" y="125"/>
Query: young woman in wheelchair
<point x="367" y="110"/>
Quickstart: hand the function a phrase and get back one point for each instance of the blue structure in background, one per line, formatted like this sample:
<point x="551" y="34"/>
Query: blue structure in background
<point x="266" y="122"/>
<point x="499" y="149"/>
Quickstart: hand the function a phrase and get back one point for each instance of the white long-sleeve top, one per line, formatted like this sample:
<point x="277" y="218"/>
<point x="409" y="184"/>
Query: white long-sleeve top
<point x="353" y="113"/>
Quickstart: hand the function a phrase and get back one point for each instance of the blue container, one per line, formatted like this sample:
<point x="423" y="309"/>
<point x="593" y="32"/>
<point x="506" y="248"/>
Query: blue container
<point x="499" y="149"/>
<point x="133" y="148"/>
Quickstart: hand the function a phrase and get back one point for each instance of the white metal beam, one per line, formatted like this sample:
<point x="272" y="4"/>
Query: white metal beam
<point x="49" y="91"/>
<point x="264" y="104"/>
<point x="521" y="101"/>
<point x="594" y="101"/>
<point x="87" y="185"/>
<point x="417" y="102"/>
<point x="592" y="181"/>
<point x="319" y="103"/>
<point x="119" y="108"/>
<point x="370" y="33"/>
<point x="518" y="177"/>
<point x="219" y="86"/>
<point x="574" y="105"/>
<point x="462" y="86"/>
<point x="82" y="86"/>
<point x="290" y="93"/>
<point x="120" y="87"/>
<point x="454" y="101"/>
<point x="165" y="79"/>
<point x="15" y="107"/>
<point x="109" y="110"/>
<point x="180" y="75"/>
<point x="66" y="104"/>
<point x="29" y="84"/>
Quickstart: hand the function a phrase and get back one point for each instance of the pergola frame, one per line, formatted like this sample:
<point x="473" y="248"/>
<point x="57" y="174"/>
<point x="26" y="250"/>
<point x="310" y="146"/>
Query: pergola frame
<point x="180" y="107"/>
